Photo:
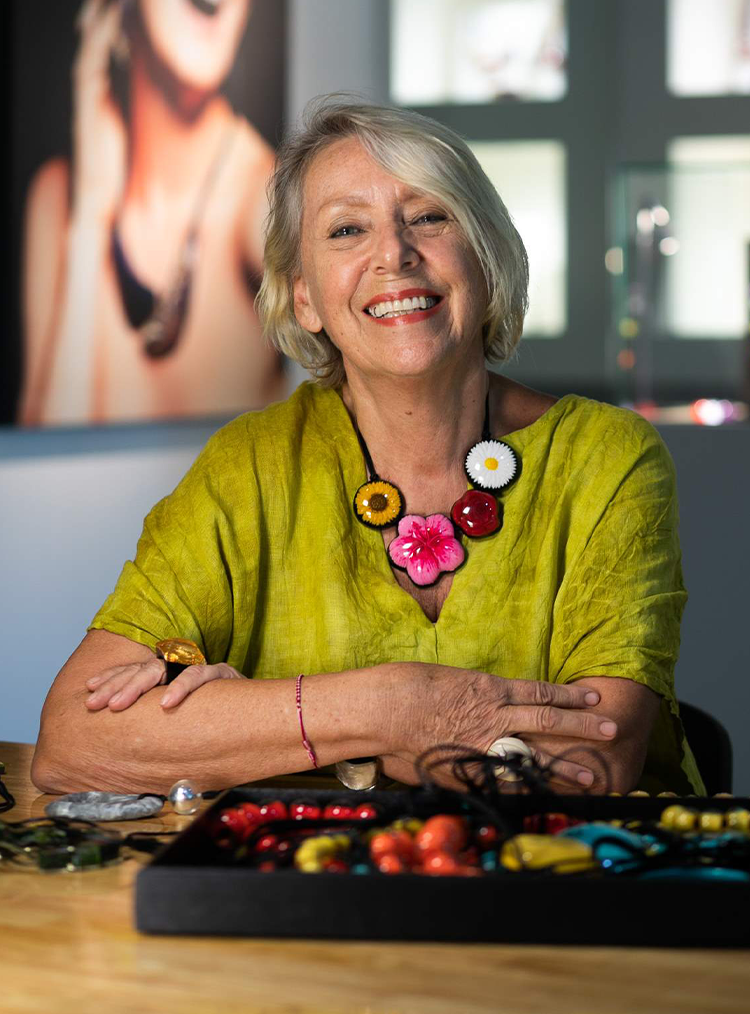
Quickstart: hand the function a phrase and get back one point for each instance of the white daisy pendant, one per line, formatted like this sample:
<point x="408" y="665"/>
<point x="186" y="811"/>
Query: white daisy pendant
<point x="491" y="464"/>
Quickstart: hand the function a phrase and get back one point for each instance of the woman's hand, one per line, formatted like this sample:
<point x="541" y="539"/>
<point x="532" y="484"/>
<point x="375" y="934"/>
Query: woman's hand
<point x="474" y="709"/>
<point x="121" y="686"/>
<point x="99" y="139"/>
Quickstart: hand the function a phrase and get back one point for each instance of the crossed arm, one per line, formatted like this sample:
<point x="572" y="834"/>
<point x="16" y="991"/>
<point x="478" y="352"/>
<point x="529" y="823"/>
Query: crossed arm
<point x="237" y="730"/>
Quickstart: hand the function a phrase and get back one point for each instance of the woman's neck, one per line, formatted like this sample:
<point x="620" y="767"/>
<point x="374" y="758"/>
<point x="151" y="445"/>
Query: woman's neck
<point x="418" y="429"/>
<point x="173" y="141"/>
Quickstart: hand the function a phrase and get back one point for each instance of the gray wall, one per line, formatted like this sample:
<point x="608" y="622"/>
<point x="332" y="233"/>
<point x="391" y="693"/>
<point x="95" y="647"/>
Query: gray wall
<point x="71" y="502"/>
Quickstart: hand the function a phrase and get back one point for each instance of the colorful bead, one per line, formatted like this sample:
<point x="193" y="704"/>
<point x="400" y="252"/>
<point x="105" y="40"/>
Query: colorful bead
<point x="275" y="810"/>
<point x="738" y="819"/>
<point x="476" y="513"/>
<point x="711" y="821"/>
<point x="378" y="504"/>
<point x="390" y="863"/>
<point x="338" y="811"/>
<point x="366" y="811"/>
<point x="442" y="833"/>
<point x="546" y="852"/>
<point x="304" y="811"/>
<point x="425" y="548"/>
<point x="491" y="464"/>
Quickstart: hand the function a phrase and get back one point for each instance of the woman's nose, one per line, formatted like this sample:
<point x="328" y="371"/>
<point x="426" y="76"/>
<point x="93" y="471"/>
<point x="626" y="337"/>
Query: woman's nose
<point x="393" y="251"/>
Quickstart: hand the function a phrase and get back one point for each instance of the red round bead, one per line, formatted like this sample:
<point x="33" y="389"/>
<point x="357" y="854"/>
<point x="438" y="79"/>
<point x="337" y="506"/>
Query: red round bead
<point x="304" y="811"/>
<point x="335" y="866"/>
<point x="274" y="810"/>
<point x="366" y="811"/>
<point x="338" y="811"/>
<point x="487" y="835"/>
<point x="266" y="843"/>
<point x="476" y="513"/>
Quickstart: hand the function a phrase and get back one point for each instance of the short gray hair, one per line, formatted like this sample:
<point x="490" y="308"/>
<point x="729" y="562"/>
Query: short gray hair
<point x="425" y="155"/>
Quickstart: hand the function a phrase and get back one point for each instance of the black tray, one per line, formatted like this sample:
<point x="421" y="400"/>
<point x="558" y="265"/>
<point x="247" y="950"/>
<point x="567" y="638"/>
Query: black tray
<point x="190" y="888"/>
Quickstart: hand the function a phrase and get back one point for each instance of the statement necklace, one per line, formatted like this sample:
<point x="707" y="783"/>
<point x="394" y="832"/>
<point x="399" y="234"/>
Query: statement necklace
<point x="425" y="547"/>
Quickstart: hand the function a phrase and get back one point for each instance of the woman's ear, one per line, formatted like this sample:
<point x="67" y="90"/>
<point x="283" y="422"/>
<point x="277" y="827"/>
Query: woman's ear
<point x="304" y="310"/>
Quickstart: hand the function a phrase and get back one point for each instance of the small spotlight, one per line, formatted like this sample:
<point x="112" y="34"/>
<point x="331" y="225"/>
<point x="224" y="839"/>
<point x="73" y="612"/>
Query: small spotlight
<point x="660" y="216"/>
<point x="614" y="261"/>
<point x="669" y="245"/>
<point x="644" y="221"/>
<point x="708" y="412"/>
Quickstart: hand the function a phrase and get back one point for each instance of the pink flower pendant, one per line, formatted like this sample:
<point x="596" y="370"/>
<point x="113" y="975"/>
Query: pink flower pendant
<point x="425" y="547"/>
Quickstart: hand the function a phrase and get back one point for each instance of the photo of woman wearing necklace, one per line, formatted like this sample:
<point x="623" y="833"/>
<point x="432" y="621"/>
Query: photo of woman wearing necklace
<point x="143" y="250"/>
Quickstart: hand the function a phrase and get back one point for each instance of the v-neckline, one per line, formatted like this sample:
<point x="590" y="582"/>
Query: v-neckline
<point x="353" y="451"/>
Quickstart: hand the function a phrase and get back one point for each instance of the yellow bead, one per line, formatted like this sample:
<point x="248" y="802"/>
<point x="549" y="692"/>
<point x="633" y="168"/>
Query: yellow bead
<point x="545" y="851"/>
<point x="711" y="821"/>
<point x="669" y="815"/>
<point x="686" y="821"/>
<point x="490" y="463"/>
<point x="738" y="820"/>
<point x="639" y="792"/>
<point x="671" y="795"/>
<point x="311" y="866"/>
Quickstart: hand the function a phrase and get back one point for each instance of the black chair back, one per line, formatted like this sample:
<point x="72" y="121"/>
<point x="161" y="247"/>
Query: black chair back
<point x="711" y="745"/>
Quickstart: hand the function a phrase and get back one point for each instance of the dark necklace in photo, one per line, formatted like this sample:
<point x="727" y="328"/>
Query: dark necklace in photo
<point x="425" y="547"/>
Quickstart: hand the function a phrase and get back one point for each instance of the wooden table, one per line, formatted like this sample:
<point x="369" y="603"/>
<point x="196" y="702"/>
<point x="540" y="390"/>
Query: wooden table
<point x="68" y="946"/>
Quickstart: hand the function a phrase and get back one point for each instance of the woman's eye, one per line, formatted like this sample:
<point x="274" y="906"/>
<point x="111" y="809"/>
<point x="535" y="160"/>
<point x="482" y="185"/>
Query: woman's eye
<point x="430" y="218"/>
<point x="345" y="230"/>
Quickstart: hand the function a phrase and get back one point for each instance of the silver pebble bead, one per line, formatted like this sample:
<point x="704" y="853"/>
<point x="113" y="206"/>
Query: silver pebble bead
<point x="183" y="797"/>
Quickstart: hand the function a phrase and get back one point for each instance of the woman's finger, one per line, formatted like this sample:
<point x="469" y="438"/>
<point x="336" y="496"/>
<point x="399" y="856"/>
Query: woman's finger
<point x="565" y="772"/>
<point x="556" y="695"/>
<point x="553" y="721"/>
<point x="195" y="676"/>
<point x="125" y="687"/>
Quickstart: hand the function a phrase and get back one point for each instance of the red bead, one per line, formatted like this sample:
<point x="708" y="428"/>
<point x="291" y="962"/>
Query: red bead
<point x="338" y="811"/>
<point x="267" y="866"/>
<point x="476" y="513"/>
<point x="335" y="866"/>
<point x="487" y="835"/>
<point x="556" y="822"/>
<point x="442" y="833"/>
<point x="275" y="810"/>
<point x="304" y="811"/>
<point x="236" y="821"/>
<point x="266" y="843"/>
<point x="366" y="811"/>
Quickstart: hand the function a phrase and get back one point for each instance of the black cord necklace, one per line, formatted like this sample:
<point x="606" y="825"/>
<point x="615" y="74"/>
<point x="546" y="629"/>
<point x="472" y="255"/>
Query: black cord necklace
<point x="425" y="547"/>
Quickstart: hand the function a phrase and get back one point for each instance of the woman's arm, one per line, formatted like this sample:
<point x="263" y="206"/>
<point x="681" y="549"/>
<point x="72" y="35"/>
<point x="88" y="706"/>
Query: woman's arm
<point x="66" y="253"/>
<point x="239" y="730"/>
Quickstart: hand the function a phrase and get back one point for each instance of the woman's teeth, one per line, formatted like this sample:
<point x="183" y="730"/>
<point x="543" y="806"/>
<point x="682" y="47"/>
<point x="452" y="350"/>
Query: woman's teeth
<point x="398" y="307"/>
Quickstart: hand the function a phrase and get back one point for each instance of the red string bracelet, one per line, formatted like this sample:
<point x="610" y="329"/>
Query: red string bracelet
<point x="305" y="741"/>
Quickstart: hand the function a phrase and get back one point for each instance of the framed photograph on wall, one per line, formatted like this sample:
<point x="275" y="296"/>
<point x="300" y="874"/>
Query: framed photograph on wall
<point x="142" y="139"/>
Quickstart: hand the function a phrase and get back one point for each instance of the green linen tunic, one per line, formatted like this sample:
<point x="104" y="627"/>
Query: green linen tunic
<point x="257" y="556"/>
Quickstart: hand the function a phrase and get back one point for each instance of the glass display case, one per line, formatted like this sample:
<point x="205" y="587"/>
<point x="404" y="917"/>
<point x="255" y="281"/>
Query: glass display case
<point x="679" y="342"/>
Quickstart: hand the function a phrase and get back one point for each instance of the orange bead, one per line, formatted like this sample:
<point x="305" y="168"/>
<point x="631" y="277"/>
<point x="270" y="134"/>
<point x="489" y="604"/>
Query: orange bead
<point x="390" y="863"/>
<point x="442" y="833"/>
<point x="382" y="844"/>
<point x="440" y="864"/>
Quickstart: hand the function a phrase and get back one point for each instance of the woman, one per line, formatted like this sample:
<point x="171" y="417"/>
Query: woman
<point x="392" y="271"/>
<point x="140" y="256"/>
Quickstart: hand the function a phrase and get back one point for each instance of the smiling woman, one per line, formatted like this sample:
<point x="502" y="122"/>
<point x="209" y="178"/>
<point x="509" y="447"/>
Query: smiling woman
<point x="451" y="556"/>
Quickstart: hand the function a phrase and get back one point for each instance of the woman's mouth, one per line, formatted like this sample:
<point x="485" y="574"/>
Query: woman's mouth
<point x="393" y="309"/>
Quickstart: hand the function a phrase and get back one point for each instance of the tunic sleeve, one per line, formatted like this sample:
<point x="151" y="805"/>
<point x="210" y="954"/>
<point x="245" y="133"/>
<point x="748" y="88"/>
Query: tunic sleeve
<point x="620" y="604"/>
<point x="181" y="582"/>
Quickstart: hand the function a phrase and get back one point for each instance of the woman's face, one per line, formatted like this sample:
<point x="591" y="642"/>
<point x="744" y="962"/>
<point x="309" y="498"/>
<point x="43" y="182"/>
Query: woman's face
<point x="369" y="240"/>
<point x="196" y="40"/>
